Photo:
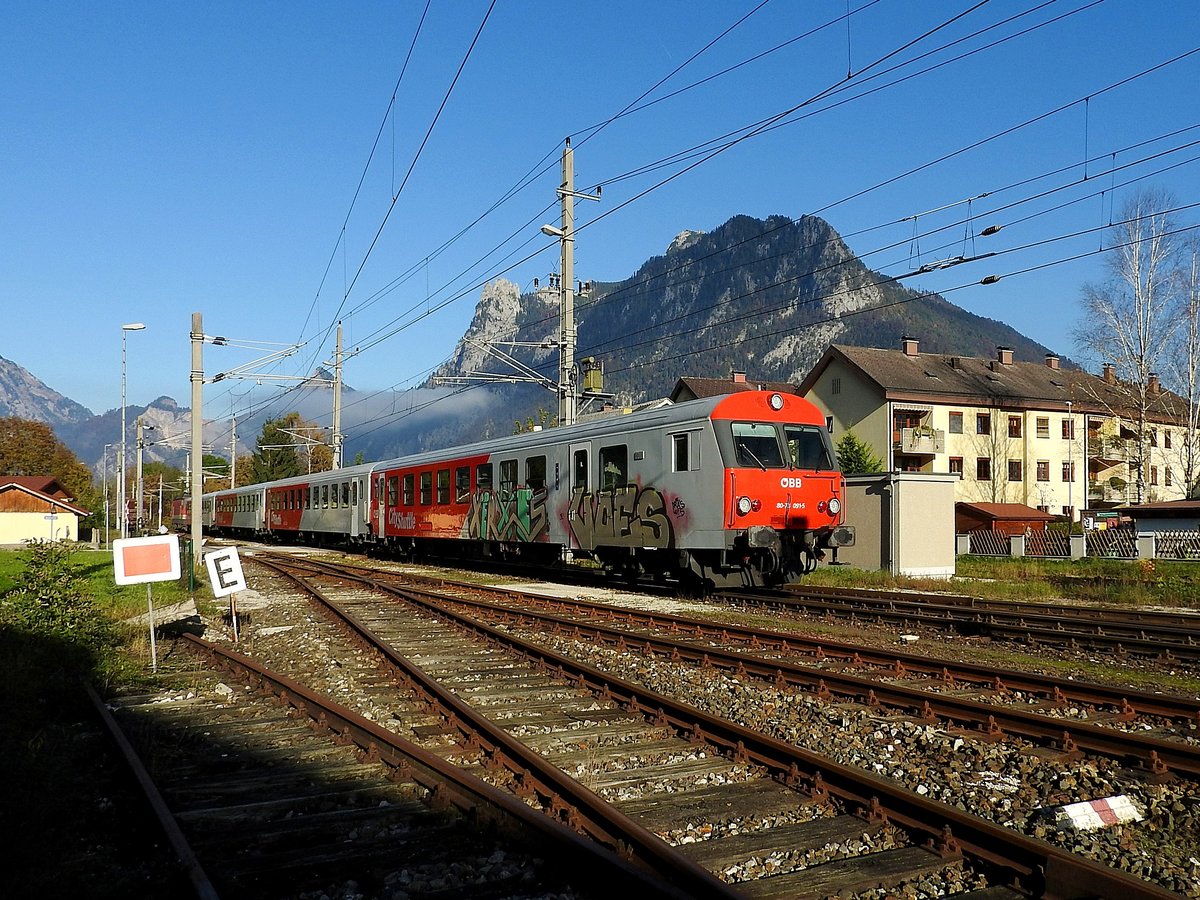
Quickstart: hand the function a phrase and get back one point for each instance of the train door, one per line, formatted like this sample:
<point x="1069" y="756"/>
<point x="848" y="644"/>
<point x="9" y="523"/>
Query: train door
<point x="380" y="512"/>
<point x="355" y="509"/>
<point x="581" y="487"/>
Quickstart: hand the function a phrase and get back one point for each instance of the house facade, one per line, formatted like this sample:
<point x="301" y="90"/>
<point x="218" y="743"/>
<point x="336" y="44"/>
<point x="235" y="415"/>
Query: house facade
<point x="1034" y="433"/>
<point x="36" y="508"/>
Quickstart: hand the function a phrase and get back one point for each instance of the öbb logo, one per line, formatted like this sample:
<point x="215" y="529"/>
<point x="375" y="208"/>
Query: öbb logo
<point x="791" y="483"/>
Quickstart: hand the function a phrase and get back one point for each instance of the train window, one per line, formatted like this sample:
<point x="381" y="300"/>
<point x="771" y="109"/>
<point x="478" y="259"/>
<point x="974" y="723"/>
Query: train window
<point x="462" y="484"/>
<point x="354" y="493"/>
<point x="345" y="493"/>
<point x="483" y="477"/>
<point x="315" y="498"/>
<point x="614" y="467"/>
<point x="579" y="470"/>
<point x="324" y="496"/>
<point x="757" y="444"/>
<point x="685" y="452"/>
<point x="443" y="486"/>
<point x="333" y="497"/>
<point x="392" y="483"/>
<point x="535" y="472"/>
<point x="508" y="476"/>
<point x="410" y="494"/>
<point x="426" y="488"/>
<point x="808" y="447"/>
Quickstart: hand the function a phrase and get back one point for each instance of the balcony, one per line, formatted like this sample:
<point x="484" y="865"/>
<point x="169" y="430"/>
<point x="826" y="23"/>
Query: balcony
<point x="922" y="441"/>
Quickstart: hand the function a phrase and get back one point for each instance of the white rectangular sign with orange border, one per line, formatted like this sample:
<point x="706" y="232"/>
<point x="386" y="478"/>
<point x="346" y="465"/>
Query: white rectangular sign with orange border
<point x="137" y="560"/>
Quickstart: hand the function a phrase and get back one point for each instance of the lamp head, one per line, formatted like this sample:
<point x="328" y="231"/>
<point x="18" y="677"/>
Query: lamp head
<point x="133" y="326"/>
<point x="551" y="231"/>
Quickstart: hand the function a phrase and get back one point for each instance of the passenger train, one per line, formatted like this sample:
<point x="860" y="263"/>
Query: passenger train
<point x="735" y="490"/>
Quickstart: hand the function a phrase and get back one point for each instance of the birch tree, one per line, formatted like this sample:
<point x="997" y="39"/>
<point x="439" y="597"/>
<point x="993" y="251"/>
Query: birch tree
<point x="1131" y="318"/>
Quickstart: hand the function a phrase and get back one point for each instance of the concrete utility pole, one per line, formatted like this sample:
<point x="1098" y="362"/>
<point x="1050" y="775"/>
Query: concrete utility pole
<point x="233" y="451"/>
<point x="197" y="378"/>
<point x="142" y="427"/>
<point x="568" y="386"/>
<point x="337" y="401"/>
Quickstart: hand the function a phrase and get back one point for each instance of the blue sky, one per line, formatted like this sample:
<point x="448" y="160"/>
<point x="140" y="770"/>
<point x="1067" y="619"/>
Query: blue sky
<point x="160" y="159"/>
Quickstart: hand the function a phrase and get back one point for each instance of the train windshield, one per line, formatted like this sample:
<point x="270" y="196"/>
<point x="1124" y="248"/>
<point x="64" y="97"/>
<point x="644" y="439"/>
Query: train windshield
<point x="757" y="444"/>
<point x="808" y="447"/>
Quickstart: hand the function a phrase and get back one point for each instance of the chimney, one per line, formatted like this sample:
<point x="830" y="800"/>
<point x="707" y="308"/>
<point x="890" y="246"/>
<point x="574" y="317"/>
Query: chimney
<point x="1153" y="388"/>
<point x="1110" y="373"/>
<point x="1004" y="356"/>
<point x="1051" y="360"/>
<point x="739" y="377"/>
<point x="908" y="345"/>
<point x="956" y="362"/>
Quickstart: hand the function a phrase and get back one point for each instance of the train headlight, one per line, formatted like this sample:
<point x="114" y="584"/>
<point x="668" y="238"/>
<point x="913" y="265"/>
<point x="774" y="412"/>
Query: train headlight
<point x="835" y="506"/>
<point x="776" y="402"/>
<point x="743" y="505"/>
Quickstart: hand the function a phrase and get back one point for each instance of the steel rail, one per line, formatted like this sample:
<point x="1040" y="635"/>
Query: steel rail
<point x="199" y="879"/>
<point x="1040" y="869"/>
<point x="559" y="794"/>
<point x="449" y="784"/>
<point x="1015" y="626"/>
<point x="1155" y="756"/>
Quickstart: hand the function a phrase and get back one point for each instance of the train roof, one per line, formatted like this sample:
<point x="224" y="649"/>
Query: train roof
<point x="743" y="404"/>
<point x="739" y="405"/>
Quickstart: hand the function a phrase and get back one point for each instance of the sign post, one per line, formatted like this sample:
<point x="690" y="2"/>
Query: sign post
<point x="147" y="559"/>
<point x="225" y="573"/>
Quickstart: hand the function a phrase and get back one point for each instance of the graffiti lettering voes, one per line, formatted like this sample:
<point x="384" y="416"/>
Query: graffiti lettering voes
<point x="629" y="516"/>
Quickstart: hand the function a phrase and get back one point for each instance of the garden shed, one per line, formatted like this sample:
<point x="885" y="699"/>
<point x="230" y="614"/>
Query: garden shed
<point x="1002" y="518"/>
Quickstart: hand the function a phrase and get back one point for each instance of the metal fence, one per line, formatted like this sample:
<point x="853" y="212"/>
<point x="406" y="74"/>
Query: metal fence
<point x="1118" y="543"/>
<point x="1177" y="544"/>
<point x="989" y="543"/>
<point x="1054" y="544"/>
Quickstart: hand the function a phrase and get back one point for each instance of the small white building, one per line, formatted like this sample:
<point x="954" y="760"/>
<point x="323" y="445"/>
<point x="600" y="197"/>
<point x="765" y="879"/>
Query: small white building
<point x="36" y="508"/>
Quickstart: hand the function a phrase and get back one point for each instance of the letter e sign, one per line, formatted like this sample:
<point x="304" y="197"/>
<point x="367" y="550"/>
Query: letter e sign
<point x="225" y="571"/>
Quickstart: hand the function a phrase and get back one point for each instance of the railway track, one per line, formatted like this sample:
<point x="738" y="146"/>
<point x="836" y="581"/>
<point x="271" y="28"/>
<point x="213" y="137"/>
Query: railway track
<point x="1147" y="634"/>
<point x="273" y="790"/>
<point x="820" y="782"/>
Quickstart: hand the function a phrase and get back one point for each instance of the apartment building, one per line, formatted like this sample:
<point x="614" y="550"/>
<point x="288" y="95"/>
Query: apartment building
<point x="1057" y="439"/>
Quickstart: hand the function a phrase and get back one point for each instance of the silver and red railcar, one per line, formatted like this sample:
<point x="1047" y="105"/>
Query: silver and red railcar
<point x="741" y="489"/>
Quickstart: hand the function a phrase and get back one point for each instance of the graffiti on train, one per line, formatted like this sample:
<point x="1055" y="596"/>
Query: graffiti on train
<point x="633" y="516"/>
<point x="518" y="515"/>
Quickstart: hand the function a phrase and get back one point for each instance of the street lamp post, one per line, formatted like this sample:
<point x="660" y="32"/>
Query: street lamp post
<point x="121" y="499"/>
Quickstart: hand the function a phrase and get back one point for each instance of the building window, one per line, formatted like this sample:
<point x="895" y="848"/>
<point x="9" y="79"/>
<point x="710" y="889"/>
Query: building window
<point x="1014" y="470"/>
<point x="1068" y="429"/>
<point x="1153" y="437"/>
<point x="835" y="385"/>
<point x="983" y="423"/>
<point x="956" y="466"/>
<point x="1043" y="470"/>
<point x="983" y="468"/>
<point x="1154" y="475"/>
<point x="1166" y="440"/>
<point x="956" y="423"/>
<point x="1043" y="426"/>
<point x="1068" y="471"/>
<point x="1167" y="479"/>
<point x="1014" y="426"/>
